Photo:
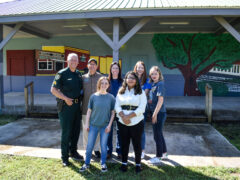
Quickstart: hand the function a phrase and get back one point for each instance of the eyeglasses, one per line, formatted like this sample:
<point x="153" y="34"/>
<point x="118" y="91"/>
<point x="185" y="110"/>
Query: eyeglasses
<point x="131" y="78"/>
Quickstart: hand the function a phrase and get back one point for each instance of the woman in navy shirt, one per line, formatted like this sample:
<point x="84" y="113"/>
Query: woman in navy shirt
<point x="159" y="114"/>
<point x="115" y="78"/>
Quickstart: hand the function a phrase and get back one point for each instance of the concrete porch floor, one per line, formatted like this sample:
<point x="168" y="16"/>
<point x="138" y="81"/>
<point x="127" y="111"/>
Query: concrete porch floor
<point x="187" y="144"/>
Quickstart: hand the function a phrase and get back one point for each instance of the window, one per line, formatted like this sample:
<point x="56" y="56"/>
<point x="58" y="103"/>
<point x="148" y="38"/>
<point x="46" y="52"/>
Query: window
<point x="59" y="65"/>
<point x="45" y="65"/>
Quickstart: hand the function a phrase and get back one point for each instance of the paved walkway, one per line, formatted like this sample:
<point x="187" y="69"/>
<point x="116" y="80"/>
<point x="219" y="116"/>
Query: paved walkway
<point x="188" y="144"/>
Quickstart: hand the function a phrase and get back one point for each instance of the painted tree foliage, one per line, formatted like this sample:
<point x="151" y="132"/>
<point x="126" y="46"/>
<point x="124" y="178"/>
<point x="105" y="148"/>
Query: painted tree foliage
<point x="195" y="54"/>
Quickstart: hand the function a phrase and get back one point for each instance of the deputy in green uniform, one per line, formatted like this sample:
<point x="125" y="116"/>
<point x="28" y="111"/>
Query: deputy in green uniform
<point x="67" y="87"/>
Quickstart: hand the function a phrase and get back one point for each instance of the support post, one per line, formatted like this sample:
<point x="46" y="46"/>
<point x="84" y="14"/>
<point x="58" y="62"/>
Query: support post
<point x="208" y="101"/>
<point x="228" y="27"/>
<point x="1" y="71"/>
<point x="115" y="39"/>
<point x="26" y="101"/>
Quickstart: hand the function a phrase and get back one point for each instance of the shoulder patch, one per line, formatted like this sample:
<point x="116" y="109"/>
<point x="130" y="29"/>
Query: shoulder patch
<point x="57" y="77"/>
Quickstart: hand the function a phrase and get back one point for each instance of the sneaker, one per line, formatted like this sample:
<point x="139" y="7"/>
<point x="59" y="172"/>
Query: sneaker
<point x="76" y="156"/>
<point x="84" y="168"/>
<point x="123" y="168"/>
<point x="143" y="155"/>
<point x="155" y="160"/>
<point x="104" y="168"/>
<point x="164" y="156"/>
<point x="97" y="154"/>
<point x="65" y="163"/>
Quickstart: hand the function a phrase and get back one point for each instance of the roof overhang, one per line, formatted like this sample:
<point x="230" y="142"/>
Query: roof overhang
<point x="226" y="12"/>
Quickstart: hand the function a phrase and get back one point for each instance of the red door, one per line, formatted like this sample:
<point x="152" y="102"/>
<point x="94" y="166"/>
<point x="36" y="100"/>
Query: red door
<point x="21" y="63"/>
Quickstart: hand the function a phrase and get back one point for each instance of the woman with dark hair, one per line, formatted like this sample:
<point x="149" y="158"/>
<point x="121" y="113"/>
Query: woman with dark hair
<point x="140" y="70"/>
<point x="115" y="79"/>
<point x="130" y="105"/>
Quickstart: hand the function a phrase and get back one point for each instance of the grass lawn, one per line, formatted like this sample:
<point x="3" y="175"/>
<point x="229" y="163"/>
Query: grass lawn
<point x="20" y="167"/>
<point x="231" y="131"/>
<point x="4" y="119"/>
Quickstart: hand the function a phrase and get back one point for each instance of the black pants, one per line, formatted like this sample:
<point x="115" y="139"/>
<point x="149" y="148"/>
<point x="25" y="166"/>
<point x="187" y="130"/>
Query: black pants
<point x="70" y="120"/>
<point x="133" y="133"/>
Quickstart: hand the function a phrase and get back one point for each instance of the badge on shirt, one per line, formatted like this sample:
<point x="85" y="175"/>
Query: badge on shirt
<point x="86" y="80"/>
<point x="54" y="82"/>
<point x="57" y="77"/>
<point x="69" y="79"/>
<point x="154" y="88"/>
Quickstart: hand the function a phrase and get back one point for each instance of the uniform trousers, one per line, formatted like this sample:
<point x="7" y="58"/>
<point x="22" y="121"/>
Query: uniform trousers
<point x="128" y="133"/>
<point x="70" y="118"/>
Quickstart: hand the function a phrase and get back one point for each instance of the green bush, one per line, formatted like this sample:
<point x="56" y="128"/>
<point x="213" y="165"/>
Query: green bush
<point x="219" y="89"/>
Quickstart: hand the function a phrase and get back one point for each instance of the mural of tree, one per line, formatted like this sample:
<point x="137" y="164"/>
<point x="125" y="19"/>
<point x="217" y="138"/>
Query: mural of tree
<point x="195" y="54"/>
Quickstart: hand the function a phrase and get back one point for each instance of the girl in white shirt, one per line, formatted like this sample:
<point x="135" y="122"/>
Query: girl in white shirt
<point x="130" y="105"/>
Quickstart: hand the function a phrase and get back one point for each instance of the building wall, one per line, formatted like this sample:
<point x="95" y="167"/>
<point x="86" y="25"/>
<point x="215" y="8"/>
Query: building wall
<point x="137" y="48"/>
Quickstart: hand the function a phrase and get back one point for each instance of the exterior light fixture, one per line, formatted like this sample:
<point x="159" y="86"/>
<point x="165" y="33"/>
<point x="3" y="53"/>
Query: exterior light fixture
<point x="174" y="23"/>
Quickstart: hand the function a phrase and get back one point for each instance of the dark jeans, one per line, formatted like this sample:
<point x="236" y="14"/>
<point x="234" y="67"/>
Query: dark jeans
<point x="119" y="141"/>
<point x="70" y="118"/>
<point x="128" y="133"/>
<point x="158" y="134"/>
<point x="143" y="138"/>
<point x="109" y="142"/>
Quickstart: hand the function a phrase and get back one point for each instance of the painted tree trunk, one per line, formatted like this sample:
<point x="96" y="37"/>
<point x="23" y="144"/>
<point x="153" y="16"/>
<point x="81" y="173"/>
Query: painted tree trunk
<point x="190" y="86"/>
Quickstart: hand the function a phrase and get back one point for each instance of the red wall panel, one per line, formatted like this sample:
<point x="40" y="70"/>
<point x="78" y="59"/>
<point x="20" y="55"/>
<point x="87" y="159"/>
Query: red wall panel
<point x="21" y="62"/>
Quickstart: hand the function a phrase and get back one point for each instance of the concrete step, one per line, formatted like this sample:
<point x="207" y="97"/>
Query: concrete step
<point x="186" y="119"/>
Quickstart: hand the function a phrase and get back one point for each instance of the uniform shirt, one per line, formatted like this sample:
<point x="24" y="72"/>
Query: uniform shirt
<point x="69" y="83"/>
<point x="157" y="90"/>
<point x="101" y="106"/>
<point x="129" y="98"/>
<point x="89" y="87"/>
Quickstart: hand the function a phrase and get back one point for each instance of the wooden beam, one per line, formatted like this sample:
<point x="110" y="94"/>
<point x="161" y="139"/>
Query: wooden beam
<point x="33" y="30"/>
<point x="98" y="30"/>
<point x="228" y="27"/>
<point x="123" y="25"/>
<point x="10" y="35"/>
<point x="133" y="31"/>
<point x="233" y="22"/>
<point x="115" y="39"/>
<point x="1" y="71"/>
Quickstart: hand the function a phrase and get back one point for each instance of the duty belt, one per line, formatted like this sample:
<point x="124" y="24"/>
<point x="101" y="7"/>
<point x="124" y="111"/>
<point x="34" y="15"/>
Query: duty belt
<point x="76" y="100"/>
<point x="128" y="107"/>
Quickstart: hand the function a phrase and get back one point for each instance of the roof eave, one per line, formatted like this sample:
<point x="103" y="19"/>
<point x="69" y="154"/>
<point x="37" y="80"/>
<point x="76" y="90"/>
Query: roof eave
<point x="122" y="13"/>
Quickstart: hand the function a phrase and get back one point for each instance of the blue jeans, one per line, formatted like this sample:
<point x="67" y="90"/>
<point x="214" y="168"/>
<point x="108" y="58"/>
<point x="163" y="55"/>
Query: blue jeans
<point x="92" y="136"/>
<point x="158" y="134"/>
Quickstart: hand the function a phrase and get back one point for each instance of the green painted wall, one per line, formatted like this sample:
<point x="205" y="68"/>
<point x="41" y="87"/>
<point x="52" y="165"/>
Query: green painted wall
<point x="138" y="47"/>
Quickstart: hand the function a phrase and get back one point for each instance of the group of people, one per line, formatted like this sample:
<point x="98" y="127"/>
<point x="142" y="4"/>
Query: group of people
<point x="98" y="101"/>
